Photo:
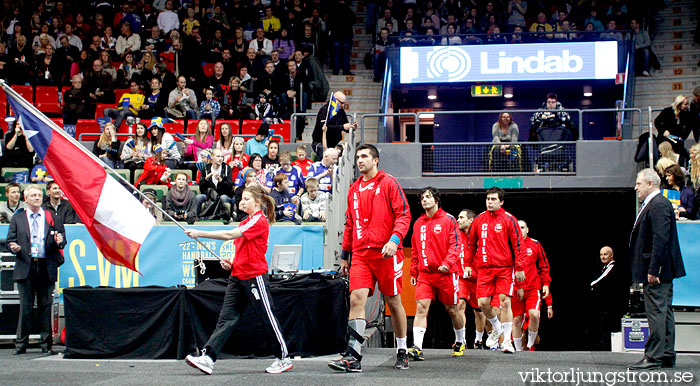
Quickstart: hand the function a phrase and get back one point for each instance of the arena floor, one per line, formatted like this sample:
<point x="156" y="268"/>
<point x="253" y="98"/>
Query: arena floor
<point x="474" y="368"/>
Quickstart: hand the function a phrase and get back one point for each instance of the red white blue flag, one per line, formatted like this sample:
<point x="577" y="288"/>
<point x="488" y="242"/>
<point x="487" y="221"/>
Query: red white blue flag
<point x="116" y="220"/>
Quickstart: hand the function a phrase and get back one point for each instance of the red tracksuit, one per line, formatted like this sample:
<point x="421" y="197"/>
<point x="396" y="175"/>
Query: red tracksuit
<point x="377" y="210"/>
<point x="467" y="286"/>
<point x="495" y="246"/>
<point x="536" y="276"/>
<point x="435" y="243"/>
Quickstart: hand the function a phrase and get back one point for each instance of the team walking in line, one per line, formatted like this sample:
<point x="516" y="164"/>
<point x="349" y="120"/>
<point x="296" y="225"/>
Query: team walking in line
<point x="486" y="261"/>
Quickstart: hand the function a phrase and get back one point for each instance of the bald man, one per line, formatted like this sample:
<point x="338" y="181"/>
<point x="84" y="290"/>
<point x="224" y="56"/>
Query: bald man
<point x="331" y="130"/>
<point x="609" y="297"/>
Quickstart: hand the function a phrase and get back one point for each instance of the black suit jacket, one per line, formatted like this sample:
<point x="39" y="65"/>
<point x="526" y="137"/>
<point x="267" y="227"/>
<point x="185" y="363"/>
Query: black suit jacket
<point x="19" y="233"/>
<point x="654" y="243"/>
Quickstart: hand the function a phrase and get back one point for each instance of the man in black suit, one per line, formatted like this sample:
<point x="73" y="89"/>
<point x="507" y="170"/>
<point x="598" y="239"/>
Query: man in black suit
<point x="609" y="299"/>
<point x="36" y="237"/>
<point x="656" y="261"/>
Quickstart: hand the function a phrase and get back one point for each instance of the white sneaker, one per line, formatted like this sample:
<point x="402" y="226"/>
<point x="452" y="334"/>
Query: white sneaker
<point x="507" y="347"/>
<point x="279" y="366"/>
<point x="203" y="363"/>
<point x="493" y="338"/>
<point x="646" y="73"/>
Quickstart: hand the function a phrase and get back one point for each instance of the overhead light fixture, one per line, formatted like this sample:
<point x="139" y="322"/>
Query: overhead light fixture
<point x="587" y="91"/>
<point x="508" y="92"/>
<point x="432" y="93"/>
<point x="427" y="116"/>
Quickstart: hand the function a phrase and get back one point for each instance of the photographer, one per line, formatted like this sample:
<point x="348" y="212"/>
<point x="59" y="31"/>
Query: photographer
<point x="18" y="150"/>
<point x="552" y="124"/>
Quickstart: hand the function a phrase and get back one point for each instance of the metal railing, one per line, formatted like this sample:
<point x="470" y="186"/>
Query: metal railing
<point x="275" y="136"/>
<point x="379" y="115"/>
<point x="500" y="158"/>
<point x="620" y="118"/>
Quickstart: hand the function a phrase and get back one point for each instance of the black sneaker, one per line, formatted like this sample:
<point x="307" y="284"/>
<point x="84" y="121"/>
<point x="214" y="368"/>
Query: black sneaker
<point x="479" y="345"/>
<point x="347" y="363"/>
<point x="401" y="360"/>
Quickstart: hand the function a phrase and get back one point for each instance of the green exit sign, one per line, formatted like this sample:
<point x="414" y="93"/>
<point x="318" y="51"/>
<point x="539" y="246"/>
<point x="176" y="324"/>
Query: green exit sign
<point x="487" y="90"/>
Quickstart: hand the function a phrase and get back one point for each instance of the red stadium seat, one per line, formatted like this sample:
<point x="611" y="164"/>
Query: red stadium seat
<point x="48" y="91"/>
<point x="170" y="66"/>
<point x="87" y="126"/>
<point x="58" y="121"/>
<point x="47" y="100"/>
<point x="100" y="109"/>
<point x="208" y="69"/>
<point x="219" y="122"/>
<point x="168" y="56"/>
<point x="118" y="92"/>
<point x="175" y="127"/>
<point x="3" y="102"/>
<point x="250" y="127"/>
<point x="25" y="91"/>
<point x="283" y="129"/>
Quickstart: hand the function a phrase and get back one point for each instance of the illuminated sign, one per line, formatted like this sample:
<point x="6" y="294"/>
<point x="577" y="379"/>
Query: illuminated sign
<point x="486" y="90"/>
<point x="508" y="62"/>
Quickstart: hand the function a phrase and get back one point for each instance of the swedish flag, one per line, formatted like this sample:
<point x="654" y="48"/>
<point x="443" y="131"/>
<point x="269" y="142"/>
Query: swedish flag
<point x="333" y="107"/>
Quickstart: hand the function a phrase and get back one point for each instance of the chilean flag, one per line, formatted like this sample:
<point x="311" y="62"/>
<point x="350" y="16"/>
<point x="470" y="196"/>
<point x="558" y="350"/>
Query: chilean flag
<point x="116" y="220"/>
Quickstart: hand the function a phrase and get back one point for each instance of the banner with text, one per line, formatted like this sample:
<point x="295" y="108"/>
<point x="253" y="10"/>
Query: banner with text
<point x="166" y="256"/>
<point x="508" y="62"/>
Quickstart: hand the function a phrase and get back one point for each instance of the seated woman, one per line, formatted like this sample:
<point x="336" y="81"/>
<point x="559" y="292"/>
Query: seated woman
<point x="505" y="158"/>
<point x="136" y="150"/>
<point x="505" y="130"/>
<point x="160" y="137"/>
<point x="180" y="202"/>
<point x="107" y="146"/>
<point x="676" y="181"/>
<point x="238" y="160"/>
<point x="254" y="163"/>
<point x="674" y="124"/>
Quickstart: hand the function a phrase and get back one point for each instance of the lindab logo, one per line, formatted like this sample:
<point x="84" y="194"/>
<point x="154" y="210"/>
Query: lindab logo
<point x="566" y="62"/>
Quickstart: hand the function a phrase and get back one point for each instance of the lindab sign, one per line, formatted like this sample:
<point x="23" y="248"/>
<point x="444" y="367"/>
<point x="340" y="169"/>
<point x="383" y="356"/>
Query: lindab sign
<point x="504" y="62"/>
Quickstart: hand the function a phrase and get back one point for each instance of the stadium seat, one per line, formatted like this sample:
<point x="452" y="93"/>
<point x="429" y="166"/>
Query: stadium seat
<point x="208" y="69"/>
<point x="8" y="173"/>
<point x="47" y="101"/>
<point x="161" y="190"/>
<point x="219" y="122"/>
<point x="175" y="127"/>
<point x="3" y="102"/>
<point x="100" y="109"/>
<point x="87" y="126"/>
<point x="250" y="127"/>
<point x="168" y="56"/>
<point x="58" y="121"/>
<point x="283" y="129"/>
<point x="126" y="173"/>
<point x="137" y="173"/>
<point x="186" y="171"/>
<point x="3" y="197"/>
<point x="25" y="92"/>
<point x="118" y="92"/>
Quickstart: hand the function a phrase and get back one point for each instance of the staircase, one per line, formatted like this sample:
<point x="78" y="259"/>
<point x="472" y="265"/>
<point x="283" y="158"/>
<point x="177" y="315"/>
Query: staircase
<point x="678" y="55"/>
<point x="363" y="95"/>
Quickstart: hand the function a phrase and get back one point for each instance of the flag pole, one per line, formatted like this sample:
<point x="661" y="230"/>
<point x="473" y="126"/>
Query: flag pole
<point x="57" y="129"/>
<point x="328" y="109"/>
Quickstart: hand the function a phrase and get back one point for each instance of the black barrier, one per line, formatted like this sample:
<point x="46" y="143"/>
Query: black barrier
<point x="168" y="323"/>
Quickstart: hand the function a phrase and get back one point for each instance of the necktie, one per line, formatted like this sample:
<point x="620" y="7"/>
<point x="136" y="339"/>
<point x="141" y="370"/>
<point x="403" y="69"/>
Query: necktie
<point x="35" y="225"/>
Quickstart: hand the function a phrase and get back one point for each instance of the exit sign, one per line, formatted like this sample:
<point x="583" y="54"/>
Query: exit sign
<point x="484" y="90"/>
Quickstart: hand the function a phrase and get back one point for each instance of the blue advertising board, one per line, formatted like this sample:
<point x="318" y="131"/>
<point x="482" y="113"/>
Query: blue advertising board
<point x="166" y="256"/>
<point x="508" y="62"/>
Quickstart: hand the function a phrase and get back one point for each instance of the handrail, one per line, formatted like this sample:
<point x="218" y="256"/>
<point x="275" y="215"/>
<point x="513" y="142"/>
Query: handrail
<point x="378" y="115"/>
<point x="293" y="124"/>
<point x="612" y="110"/>
<point x="276" y="136"/>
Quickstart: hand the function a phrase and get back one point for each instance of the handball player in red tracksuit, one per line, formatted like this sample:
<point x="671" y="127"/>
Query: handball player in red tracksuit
<point x="495" y="246"/>
<point x="435" y="251"/>
<point x="467" y="286"/>
<point x="376" y="222"/>
<point x="248" y="283"/>
<point x="528" y="299"/>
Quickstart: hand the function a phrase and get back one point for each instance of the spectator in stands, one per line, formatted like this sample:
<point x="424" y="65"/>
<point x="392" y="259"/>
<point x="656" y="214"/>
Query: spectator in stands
<point x="218" y="19"/>
<point x="264" y="111"/>
<point x="202" y="140"/>
<point x="108" y="42"/>
<point x="129" y="69"/>
<point x="167" y="19"/>
<point x="675" y="125"/>
<point x="234" y="99"/>
<point x="41" y="42"/>
<point x="314" y="202"/>
<point x="695" y="177"/>
<point x="495" y="37"/>
<point x="210" y="108"/>
<point x="72" y="39"/>
<point x="294" y="176"/>
<point x="48" y="69"/>
<point x="129" y="105"/>
<point x="327" y="134"/>
<point x="611" y="32"/>
<point x="262" y="177"/>
<point x="271" y="24"/>
<point x="323" y="170"/>
<point x="151" y="195"/>
<point x="190" y="22"/>
<point x="261" y="45"/>
<point x="18" y="150"/>
<point x="239" y="46"/>
<point x="167" y="79"/>
<point x="39" y="174"/>
<point x="307" y="42"/>
<point x="564" y="31"/>
<point x="675" y="178"/>
<point x="247" y="178"/>
<point x="238" y="160"/>
<point x="22" y="58"/>
<point x="182" y="102"/>
<point x="617" y="10"/>
<point x="147" y="65"/>
<point x="154" y="43"/>
<point x="666" y="151"/>
<point x="450" y="39"/>
<point x="154" y="105"/>
<point x="593" y="19"/>
<point x="99" y="84"/>
<point x="76" y="102"/>
<point x="252" y="63"/>
<point x="271" y="160"/>
<point x="285" y="210"/>
<point x="127" y="41"/>
<point x="505" y="130"/>
<point x="284" y="44"/>
<point x="517" y="36"/>
<point x="552" y="124"/>
<point x="541" y="20"/>
<point x="13" y="203"/>
<point x="218" y="176"/>
<point x="68" y="56"/>
<point x="158" y="136"/>
<point x="340" y="21"/>
<point x="136" y="150"/>
<point x="469" y="28"/>
<point x="180" y="202"/>
<point x="660" y="169"/>
<point x="387" y="18"/>
<point x="225" y="142"/>
<point x="516" y="11"/>
<point x="294" y="91"/>
<point x="107" y="65"/>
<point x="642" y="47"/>
<point x="155" y="170"/>
<point x="106" y="147"/>
<point x="302" y="162"/>
<point x="268" y="83"/>
<point x="247" y="86"/>
<point x="58" y="206"/>
<point x="379" y="54"/>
